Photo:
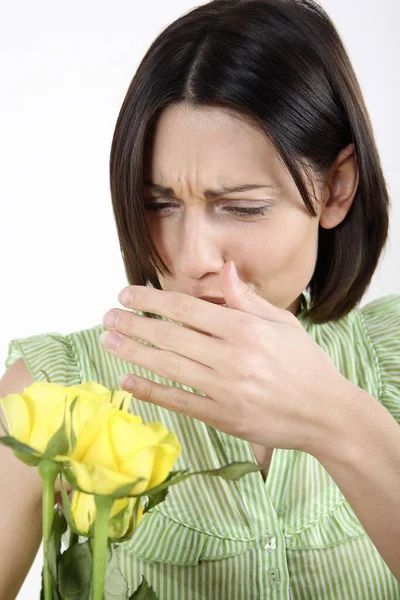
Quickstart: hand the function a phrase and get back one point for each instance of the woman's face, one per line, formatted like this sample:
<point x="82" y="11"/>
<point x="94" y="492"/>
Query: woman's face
<point x="275" y="251"/>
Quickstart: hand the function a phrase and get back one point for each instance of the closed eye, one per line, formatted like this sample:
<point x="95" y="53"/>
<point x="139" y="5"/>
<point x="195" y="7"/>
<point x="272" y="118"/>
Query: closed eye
<point x="238" y="210"/>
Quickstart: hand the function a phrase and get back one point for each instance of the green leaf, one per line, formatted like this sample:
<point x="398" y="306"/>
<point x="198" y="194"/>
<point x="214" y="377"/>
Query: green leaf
<point x="58" y="443"/>
<point x="73" y="538"/>
<point x="155" y="499"/>
<point x="130" y="530"/>
<point x="135" y="514"/>
<point x="45" y="374"/>
<point x="115" y="585"/>
<point x="144" y="592"/>
<point x="22" y="451"/>
<point x="75" y="571"/>
<point x="41" y="586"/>
<point x="54" y="590"/>
<point x="173" y="476"/>
<point x="73" y="435"/>
<point x="54" y="547"/>
<point x="231" y="471"/>
<point x="119" y="522"/>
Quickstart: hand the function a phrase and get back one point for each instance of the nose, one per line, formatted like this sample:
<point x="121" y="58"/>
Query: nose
<point x="199" y="246"/>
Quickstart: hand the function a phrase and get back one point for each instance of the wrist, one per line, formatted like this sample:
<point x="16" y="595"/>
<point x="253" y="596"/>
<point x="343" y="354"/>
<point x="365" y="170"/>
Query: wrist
<point x="348" y="419"/>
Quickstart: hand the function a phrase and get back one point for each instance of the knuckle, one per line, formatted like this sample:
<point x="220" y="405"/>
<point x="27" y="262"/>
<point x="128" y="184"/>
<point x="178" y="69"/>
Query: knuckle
<point x="179" y="402"/>
<point x="247" y="369"/>
<point x="251" y="330"/>
<point x="182" y="306"/>
<point x="128" y="351"/>
<point x="244" y="400"/>
<point x="237" y="417"/>
<point x="249" y="294"/>
<point x="172" y="365"/>
<point x="237" y="357"/>
<point x="168" y="337"/>
<point x="242" y="324"/>
<point x="146" y="391"/>
<point x="236" y="422"/>
<point x="233" y="357"/>
<point x="242" y="427"/>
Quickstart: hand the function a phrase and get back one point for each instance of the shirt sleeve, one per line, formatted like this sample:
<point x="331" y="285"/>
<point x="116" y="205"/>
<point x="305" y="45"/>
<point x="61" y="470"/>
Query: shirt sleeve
<point x="52" y="353"/>
<point x="382" y="322"/>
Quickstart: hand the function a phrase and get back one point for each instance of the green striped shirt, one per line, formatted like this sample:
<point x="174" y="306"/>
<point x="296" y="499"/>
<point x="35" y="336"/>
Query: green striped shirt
<point x="293" y="536"/>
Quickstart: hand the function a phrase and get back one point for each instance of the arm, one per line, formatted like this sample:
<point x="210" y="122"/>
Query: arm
<point x="20" y="501"/>
<point x="363" y="458"/>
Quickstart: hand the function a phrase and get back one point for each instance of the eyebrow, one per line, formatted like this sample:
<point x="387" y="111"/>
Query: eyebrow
<point x="209" y="194"/>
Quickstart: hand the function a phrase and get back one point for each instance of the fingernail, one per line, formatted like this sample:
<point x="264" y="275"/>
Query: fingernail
<point x="110" y="319"/>
<point x="125" y="296"/>
<point x="110" y="340"/>
<point x="121" y="380"/>
<point x="127" y="382"/>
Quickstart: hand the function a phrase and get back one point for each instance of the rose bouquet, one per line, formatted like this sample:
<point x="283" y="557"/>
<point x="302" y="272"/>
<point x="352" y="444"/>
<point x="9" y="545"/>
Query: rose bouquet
<point x="118" y="468"/>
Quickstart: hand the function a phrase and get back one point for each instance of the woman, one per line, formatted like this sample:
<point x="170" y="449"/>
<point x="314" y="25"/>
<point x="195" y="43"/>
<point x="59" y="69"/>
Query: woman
<point x="244" y="139"/>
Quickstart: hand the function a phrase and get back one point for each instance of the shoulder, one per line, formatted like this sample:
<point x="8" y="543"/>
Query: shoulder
<point x="55" y="354"/>
<point x="381" y="322"/>
<point x="380" y="313"/>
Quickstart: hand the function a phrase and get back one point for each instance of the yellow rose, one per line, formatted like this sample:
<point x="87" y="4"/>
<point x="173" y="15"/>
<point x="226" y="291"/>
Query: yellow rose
<point x="120" y="523"/>
<point x="115" y="448"/>
<point x="91" y="396"/>
<point x="36" y="414"/>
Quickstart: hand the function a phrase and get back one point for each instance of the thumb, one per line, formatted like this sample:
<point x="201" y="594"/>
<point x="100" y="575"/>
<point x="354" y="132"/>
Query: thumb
<point x="239" y="295"/>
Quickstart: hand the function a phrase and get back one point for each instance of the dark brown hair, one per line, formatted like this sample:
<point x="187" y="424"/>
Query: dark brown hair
<point x="280" y="64"/>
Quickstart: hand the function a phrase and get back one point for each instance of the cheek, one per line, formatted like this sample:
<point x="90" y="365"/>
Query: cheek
<point x="161" y="238"/>
<point x="289" y="247"/>
<point x="298" y="251"/>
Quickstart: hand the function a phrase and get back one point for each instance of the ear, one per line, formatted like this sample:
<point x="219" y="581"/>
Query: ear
<point x="340" y="188"/>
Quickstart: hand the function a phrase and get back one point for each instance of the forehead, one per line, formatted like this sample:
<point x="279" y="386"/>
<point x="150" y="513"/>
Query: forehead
<point x="188" y="141"/>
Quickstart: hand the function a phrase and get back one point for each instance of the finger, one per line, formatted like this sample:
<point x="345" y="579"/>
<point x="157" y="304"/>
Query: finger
<point x="172" y="398"/>
<point x="167" y="364"/>
<point x="198" y="314"/>
<point x="171" y="337"/>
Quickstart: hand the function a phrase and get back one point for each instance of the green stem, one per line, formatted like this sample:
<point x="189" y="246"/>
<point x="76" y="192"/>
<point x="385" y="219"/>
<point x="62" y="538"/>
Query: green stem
<point x="103" y="508"/>
<point x="48" y="471"/>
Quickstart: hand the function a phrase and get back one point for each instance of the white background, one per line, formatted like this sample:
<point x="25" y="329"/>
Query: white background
<point x="65" y="68"/>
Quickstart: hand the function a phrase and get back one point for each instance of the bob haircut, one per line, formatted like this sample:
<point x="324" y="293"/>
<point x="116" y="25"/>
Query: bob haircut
<point x="279" y="65"/>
